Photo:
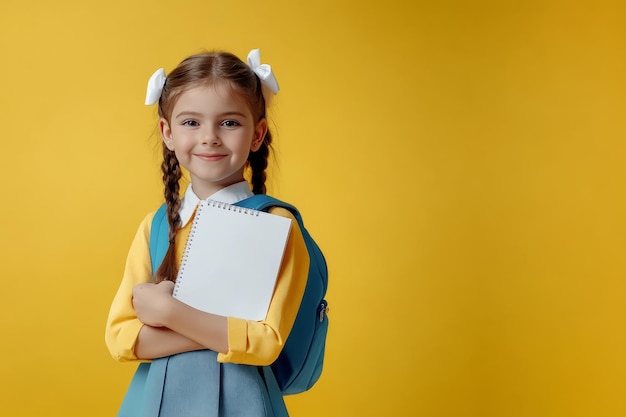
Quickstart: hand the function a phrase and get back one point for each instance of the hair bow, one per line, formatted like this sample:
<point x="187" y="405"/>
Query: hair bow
<point x="263" y="71"/>
<point x="155" y="87"/>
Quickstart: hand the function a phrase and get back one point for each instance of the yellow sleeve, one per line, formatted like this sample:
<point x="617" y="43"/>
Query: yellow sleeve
<point x="260" y="342"/>
<point x="123" y="326"/>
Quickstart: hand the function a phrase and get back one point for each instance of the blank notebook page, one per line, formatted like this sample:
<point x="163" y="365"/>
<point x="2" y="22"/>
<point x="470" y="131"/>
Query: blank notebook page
<point x="231" y="260"/>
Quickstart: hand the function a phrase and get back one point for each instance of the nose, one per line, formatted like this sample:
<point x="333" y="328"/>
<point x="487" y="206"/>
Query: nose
<point x="210" y="137"/>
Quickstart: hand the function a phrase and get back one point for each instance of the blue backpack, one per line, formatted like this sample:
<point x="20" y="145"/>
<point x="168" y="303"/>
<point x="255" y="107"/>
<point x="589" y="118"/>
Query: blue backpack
<point x="299" y="365"/>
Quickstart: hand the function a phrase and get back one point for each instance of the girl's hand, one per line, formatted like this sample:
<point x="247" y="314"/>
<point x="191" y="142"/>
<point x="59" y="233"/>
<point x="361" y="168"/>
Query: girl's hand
<point x="152" y="302"/>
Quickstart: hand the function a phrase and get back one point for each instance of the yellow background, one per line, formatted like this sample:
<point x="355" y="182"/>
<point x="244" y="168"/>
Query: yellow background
<point x="462" y="164"/>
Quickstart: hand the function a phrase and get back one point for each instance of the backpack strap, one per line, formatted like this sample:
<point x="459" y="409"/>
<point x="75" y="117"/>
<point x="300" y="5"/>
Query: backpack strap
<point x="263" y="202"/>
<point x="159" y="243"/>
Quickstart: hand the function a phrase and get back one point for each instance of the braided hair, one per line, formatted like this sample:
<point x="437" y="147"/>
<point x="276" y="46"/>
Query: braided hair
<point x="201" y="70"/>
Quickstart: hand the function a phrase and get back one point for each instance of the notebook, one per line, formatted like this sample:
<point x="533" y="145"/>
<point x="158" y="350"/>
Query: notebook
<point x="231" y="260"/>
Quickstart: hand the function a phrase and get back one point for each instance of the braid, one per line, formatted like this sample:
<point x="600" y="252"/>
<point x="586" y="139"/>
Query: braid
<point x="258" y="164"/>
<point x="171" y="176"/>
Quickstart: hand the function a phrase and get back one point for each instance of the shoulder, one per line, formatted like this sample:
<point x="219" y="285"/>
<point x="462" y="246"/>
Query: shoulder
<point x="281" y="211"/>
<point x="278" y="207"/>
<point x="296" y="230"/>
<point x="148" y="218"/>
<point x="146" y="224"/>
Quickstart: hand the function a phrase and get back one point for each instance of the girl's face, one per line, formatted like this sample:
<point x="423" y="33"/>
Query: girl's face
<point x="212" y="131"/>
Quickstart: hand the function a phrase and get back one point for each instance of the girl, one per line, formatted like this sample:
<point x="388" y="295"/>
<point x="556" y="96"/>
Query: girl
<point x="212" y="110"/>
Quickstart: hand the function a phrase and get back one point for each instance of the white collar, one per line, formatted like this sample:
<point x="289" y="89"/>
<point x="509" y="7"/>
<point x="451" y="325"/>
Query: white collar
<point x="232" y="194"/>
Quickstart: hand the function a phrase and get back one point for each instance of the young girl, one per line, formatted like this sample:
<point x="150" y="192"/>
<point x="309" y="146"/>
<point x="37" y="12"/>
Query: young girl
<point x="212" y="110"/>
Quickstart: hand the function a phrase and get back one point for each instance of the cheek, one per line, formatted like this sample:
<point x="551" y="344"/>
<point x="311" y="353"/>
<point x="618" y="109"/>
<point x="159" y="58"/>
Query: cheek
<point x="183" y="140"/>
<point x="241" y="143"/>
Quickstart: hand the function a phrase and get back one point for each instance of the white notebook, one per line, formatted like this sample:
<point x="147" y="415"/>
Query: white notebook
<point x="231" y="260"/>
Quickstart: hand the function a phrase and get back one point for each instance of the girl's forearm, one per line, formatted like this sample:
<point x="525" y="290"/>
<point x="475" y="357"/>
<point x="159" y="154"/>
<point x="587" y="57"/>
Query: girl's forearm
<point x="208" y="330"/>
<point x="157" y="342"/>
<point x="184" y="329"/>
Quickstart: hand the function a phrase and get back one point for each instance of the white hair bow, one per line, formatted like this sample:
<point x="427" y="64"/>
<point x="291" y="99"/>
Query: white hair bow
<point x="155" y="87"/>
<point x="263" y="71"/>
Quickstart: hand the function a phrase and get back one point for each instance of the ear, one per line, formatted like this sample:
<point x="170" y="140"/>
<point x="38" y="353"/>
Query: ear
<point x="166" y="134"/>
<point x="260" y="130"/>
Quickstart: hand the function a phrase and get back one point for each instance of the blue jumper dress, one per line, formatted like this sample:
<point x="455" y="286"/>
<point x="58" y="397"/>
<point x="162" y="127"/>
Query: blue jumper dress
<point x="194" y="384"/>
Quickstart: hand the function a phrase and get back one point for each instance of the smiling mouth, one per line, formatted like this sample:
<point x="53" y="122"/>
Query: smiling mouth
<point x="210" y="157"/>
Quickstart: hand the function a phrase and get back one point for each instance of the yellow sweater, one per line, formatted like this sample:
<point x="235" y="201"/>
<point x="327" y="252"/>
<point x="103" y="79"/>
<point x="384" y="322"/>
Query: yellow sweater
<point x="249" y="342"/>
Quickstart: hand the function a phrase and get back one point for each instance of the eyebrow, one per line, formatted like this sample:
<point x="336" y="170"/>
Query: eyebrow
<point x="186" y="113"/>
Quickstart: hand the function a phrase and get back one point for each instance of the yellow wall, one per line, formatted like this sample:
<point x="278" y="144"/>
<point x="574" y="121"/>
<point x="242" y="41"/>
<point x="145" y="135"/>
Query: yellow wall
<point x="461" y="163"/>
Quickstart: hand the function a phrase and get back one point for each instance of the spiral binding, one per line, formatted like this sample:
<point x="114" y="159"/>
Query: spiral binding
<point x="231" y="207"/>
<point x="192" y="232"/>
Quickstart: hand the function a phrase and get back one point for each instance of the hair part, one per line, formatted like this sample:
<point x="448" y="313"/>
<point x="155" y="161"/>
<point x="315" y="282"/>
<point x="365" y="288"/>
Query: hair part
<point x="204" y="69"/>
